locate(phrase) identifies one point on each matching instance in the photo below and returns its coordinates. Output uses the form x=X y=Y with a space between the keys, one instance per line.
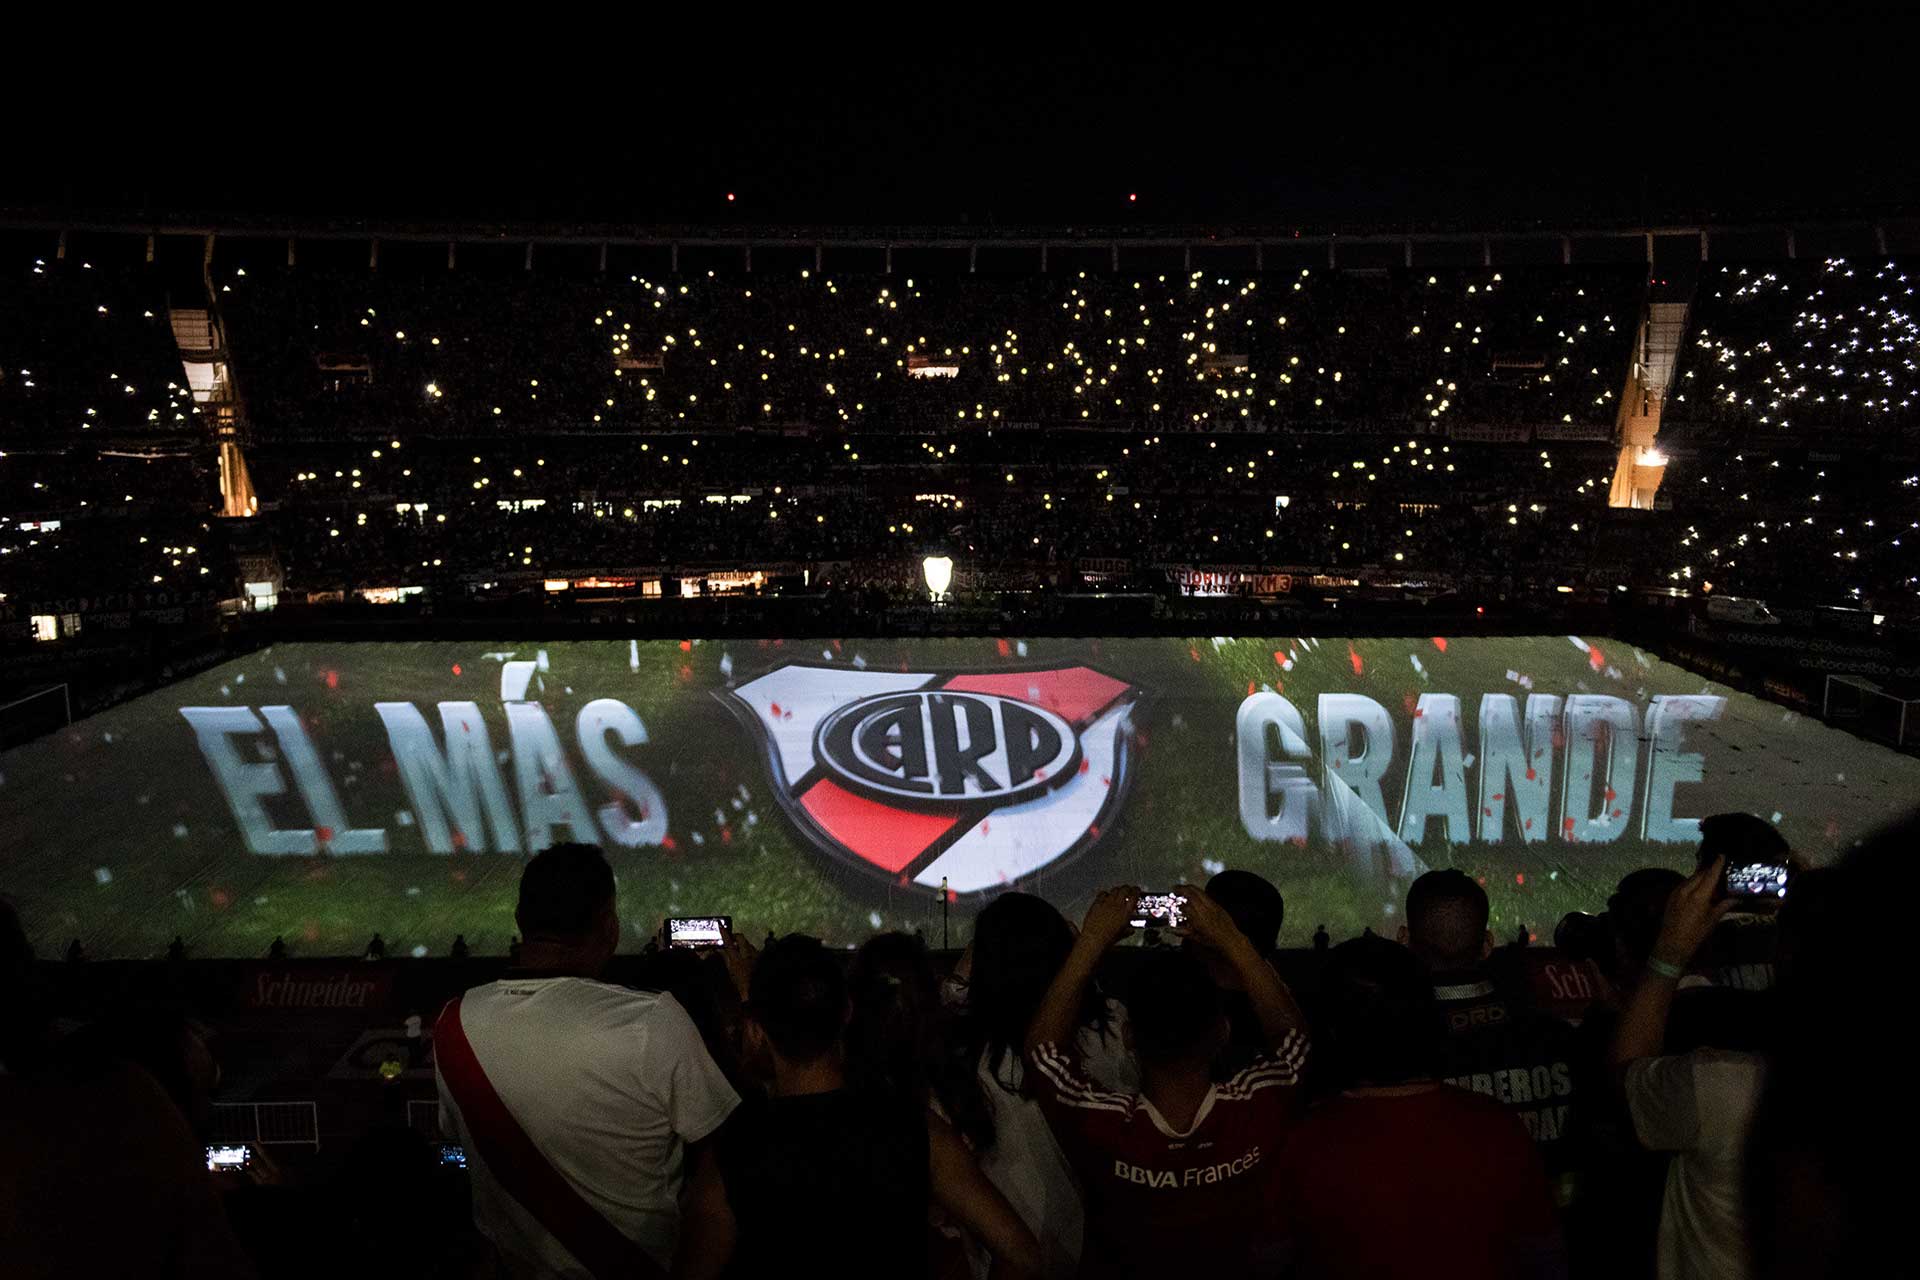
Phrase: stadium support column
x=1641 y=466
x=200 y=336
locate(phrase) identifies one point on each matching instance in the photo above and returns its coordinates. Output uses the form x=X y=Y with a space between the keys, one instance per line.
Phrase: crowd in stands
x=460 y=430
x=1058 y=1104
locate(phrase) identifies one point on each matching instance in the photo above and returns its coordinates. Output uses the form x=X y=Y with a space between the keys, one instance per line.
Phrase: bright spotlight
x=939 y=573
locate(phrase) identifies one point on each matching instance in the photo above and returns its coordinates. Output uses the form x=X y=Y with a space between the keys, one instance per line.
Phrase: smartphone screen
x=227 y=1158
x=1168 y=910
x=453 y=1156
x=698 y=931
x=1757 y=880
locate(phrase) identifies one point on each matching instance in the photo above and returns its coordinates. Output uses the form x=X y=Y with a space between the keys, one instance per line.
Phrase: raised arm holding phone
x=1179 y=1174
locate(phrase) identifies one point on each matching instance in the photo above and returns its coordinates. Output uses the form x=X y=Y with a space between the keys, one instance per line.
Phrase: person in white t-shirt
x=1698 y=1105
x=577 y=1101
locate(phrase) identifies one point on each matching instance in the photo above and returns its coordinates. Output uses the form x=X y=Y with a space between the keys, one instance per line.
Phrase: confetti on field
x=101 y=875
x=873 y=918
x=1212 y=866
x=1020 y=648
x=419 y=952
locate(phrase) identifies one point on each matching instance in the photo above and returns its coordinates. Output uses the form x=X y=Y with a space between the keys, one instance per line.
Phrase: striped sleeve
x=1060 y=1081
x=1283 y=1069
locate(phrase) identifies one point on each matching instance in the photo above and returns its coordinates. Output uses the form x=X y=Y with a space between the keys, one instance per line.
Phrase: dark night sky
x=1462 y=117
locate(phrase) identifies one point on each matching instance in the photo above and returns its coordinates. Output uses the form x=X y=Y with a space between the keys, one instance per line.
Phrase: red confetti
x=1193 y=653
x=459 y=839
x=952 y=896
x=668 y=842
x=1566 y=825
x=456 y=668
x=1594 y=657
x=1085 y=764
x=1353 y=656
x=323 y=834
x=1610 y=795
x=1519 y=877
x=1499 y=795
x=221 y=898
x=1531 y=775
x=686 y=646
x=776 y=711
x=1529 y=824
x=1003 y=647
x=1279 y=658
x=1249 y=688
x=333 y=679
x=1486 y=811
x=726 y=835
x=1440 y=643
x=1093 y=830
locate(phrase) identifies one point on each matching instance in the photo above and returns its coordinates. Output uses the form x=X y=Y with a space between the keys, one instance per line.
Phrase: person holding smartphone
x=1698 y=1105
x=1178 y=1176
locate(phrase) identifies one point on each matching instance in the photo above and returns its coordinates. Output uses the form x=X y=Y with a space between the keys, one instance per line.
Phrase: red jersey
x=1161 y=1200
x=1438 y=1184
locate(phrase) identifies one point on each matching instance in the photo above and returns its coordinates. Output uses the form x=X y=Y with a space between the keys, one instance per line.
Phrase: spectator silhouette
x=1178 y=1175
x=576 y=1157
x=1495 y=1043
x=101 y=1174
x=817 y=1154
x=1257 y=911
x=1019 y=943
x=1397 y=1174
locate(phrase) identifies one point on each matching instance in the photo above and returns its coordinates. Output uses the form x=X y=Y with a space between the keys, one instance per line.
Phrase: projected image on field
x=321 y=792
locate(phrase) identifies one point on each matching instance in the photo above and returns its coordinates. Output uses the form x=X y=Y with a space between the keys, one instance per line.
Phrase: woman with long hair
x=1019 y=944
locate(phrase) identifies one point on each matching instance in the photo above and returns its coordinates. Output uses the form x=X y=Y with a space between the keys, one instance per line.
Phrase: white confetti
x=1580 y=644
x=102 y=875
x=1020 y=647
x=541 y=660
x=419 y=952
x=1212 y=866
x=753 y=819
x=633 y=655
x=873 y=918
x=1777 y=815
x=260 y=901
x=225 y=691
x=413 y=891
x=241 y=678
x=403 y=817
x=1468 y=762
x=698 y=838
x=737 y=803
x=179 y=831
x=859 y=663
x=826 y=655
x=726 y=665
x=279 y=675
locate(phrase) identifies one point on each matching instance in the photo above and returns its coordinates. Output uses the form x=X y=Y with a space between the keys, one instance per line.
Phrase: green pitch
x=116 y=831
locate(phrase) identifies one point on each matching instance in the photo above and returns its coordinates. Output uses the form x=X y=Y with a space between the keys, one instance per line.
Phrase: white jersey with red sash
x=575 y=1101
